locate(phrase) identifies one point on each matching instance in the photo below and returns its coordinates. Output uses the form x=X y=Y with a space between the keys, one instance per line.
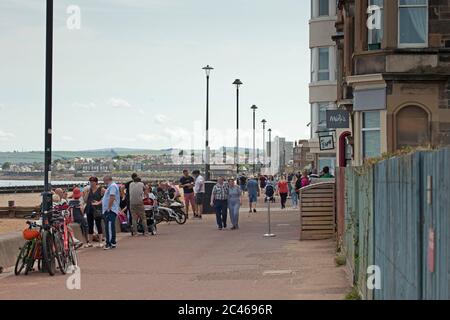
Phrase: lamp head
x=208 y=69
x=237 y=83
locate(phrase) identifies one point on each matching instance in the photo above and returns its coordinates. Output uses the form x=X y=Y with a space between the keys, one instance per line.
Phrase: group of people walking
x=97 y=207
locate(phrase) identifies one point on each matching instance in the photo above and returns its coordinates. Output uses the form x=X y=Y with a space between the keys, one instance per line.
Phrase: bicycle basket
x=30 y=234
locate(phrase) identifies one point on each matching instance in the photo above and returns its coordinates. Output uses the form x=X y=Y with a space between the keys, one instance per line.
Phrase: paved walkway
x=196 y=261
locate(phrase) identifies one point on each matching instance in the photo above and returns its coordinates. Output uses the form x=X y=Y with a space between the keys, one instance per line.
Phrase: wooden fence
x=317 y=211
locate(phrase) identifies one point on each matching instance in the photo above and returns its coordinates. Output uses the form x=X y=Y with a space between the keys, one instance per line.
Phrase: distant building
x=281 y=154
x=302 y=156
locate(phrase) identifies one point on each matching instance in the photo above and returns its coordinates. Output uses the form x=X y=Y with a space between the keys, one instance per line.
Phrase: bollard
x=269 y=234
x=12 y=208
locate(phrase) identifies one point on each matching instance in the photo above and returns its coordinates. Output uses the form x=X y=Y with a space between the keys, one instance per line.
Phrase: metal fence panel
x=436 y=221
x=397 y=227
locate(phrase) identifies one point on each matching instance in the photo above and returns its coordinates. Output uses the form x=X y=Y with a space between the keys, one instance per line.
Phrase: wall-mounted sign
x=326 y=143
x=310 y=157
x=338 y=119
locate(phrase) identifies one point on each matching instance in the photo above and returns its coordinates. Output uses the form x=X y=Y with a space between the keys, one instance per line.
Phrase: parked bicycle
x=32 y=249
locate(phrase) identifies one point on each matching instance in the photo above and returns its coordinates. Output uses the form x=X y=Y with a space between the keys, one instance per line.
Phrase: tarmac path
x=196 y=261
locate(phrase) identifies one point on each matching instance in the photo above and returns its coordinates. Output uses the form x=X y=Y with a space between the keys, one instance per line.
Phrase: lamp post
x=264 y=121
x=270 y=148
x=208 y=70
x=254 y=141
x=46 y=195
x=237 y=83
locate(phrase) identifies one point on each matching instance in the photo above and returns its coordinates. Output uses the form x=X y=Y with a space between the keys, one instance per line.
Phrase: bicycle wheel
x=22 y=258
x=31 y=257
x=62 y=257
x=49 y=253
x=73 y=257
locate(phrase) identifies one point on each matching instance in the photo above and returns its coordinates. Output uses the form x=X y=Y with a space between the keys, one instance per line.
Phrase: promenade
x=196 y=261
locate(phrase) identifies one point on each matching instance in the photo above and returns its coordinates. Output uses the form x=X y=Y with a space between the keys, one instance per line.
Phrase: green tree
x=6 y=166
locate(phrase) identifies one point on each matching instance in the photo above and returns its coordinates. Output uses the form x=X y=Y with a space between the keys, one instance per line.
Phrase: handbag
x=98 y=213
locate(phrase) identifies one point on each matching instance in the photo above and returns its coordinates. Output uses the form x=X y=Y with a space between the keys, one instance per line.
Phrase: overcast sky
x=132 y=77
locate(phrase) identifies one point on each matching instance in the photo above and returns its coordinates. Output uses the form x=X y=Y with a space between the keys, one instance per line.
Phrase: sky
x=132 y=76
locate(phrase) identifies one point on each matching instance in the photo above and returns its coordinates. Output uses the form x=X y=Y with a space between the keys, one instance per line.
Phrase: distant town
x=279 y=156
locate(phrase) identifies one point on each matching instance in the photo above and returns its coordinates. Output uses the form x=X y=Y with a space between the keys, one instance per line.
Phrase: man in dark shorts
x=199 y=190
x=187 y=182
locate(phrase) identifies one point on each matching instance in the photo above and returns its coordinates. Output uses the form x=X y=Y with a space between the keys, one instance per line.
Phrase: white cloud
x=149 y=137
x=119 y=103
x=86 y=106
x=160 y=118
x=141 y=111
x=67 y=138
x=6 y=136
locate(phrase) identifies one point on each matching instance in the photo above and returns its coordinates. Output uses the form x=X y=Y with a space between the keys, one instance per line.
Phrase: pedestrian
x=234 y=202
x=326 y=173
x=93 y=198
x=294 y=194
x=272 y=187
x=253 y=193
x=137 y=208
x=111 y=208
x=262 y=181
x=305 y=180
x=283 y=191
x=219 y=201
x=199 y=190
x=62 y=196
x=76 y=208
x=123 y=214
x=243 y=182
x=187 y=182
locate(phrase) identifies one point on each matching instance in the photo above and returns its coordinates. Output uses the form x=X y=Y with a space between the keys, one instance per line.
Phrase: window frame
x=414 y=45
x=364 y=130
x=371 y=32
x=322 y=71
x=319 y=7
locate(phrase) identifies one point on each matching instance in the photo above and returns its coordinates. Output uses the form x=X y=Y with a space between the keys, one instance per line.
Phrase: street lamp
x=47 y=195
x=208 y=70
x=237 y=83
x=254 y=141
x=264 y=121
x=270 y=148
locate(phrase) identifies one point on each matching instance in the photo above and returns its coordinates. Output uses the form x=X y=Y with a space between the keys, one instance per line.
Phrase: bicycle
x=64 y=239
x=31 y=251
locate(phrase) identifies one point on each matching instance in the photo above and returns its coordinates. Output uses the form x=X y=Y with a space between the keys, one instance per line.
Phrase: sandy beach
x=21 y=199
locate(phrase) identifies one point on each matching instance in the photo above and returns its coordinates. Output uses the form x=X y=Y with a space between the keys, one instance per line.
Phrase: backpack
x=270 y=191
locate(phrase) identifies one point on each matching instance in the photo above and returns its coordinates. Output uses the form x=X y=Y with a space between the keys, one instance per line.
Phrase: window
x=322 y=125
x=412 y=127
x=324 y=8
x=375 y=34
x=371 y=147
x=324 y=64
x=413 y=23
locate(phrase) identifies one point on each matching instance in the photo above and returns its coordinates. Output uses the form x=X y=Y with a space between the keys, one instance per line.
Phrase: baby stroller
x=150 y=205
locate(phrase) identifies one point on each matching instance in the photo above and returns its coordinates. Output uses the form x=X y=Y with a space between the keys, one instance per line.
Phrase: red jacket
x=283 y=187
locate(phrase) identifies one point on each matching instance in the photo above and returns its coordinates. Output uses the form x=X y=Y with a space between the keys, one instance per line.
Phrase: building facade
x=323 y=84
x=302 y=159
x=281 y=155
x=393 y=74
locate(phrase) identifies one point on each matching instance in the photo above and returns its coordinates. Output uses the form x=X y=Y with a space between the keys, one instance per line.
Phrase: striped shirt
x=220 y=192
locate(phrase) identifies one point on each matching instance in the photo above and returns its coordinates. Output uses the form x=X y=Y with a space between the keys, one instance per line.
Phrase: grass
x=340 y=260
x=353 y=295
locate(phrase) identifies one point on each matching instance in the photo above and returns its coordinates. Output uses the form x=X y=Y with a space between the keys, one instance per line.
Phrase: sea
x=33 y=183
